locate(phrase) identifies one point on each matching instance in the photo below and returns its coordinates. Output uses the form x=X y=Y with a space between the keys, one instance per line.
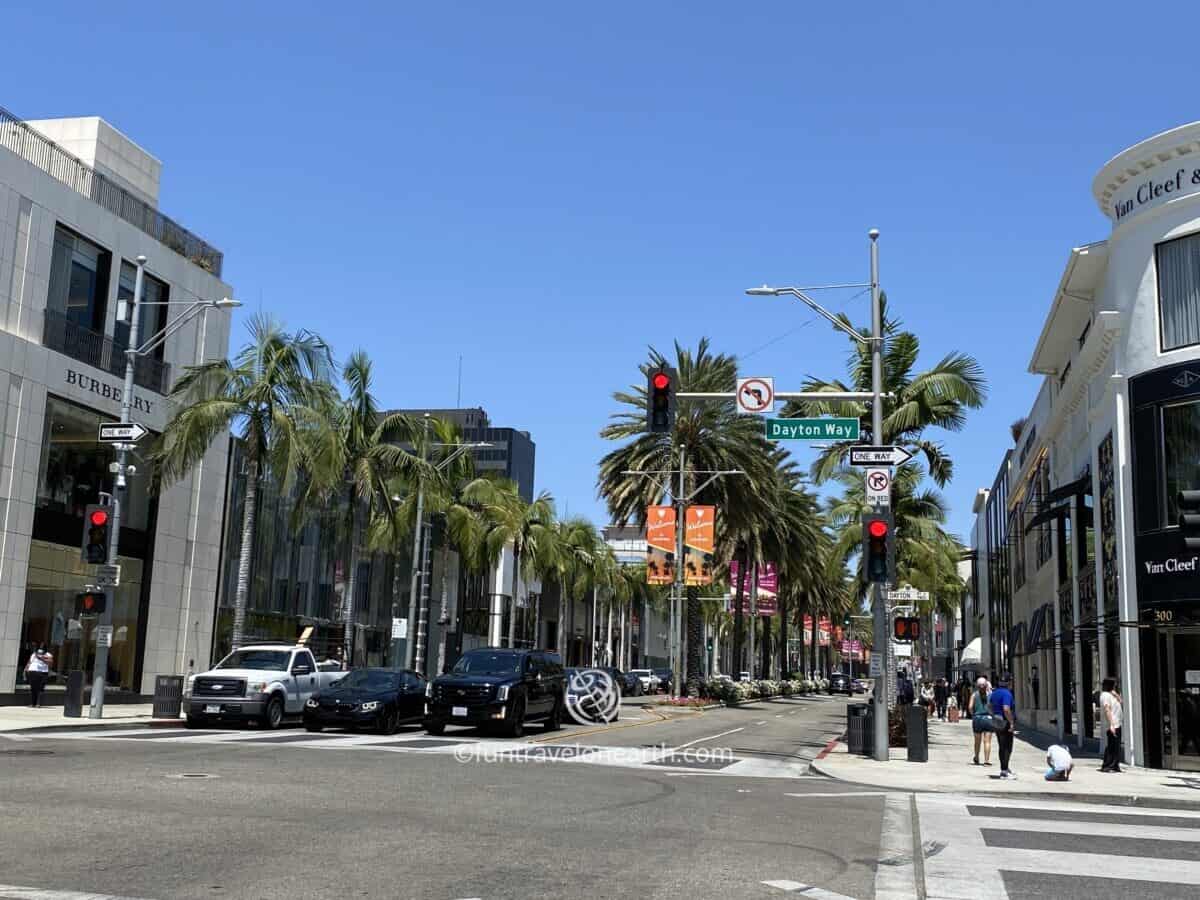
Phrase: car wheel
x=312 y=726
x=554 y=723
x=195 y=722
x=435 y=728
x=516 y=726
x=273 y=714
x=389 y=722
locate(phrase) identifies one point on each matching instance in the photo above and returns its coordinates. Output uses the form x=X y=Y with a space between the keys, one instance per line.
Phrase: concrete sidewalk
x=950 y=770
x=24 y=718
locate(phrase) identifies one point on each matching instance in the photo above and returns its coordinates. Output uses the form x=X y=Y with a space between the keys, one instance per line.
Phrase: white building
x=1088 y=574
x=71 y=225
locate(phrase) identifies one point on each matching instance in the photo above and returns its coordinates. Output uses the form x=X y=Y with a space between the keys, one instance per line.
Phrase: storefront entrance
x=1179 y=667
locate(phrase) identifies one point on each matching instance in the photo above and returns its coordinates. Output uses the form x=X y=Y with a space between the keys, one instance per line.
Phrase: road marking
x=15 y=737
x=14 y=892
x=807 y=890
x=895 y=874
x=779 y=715
x=760 y=723
x=844 y=794
x=711 y=737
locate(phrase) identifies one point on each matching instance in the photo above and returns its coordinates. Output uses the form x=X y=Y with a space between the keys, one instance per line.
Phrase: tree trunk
x=512 y=613
x=738 y=625
x=397 y=584
x=562 y=623
x=766 y=646
x=608 y=650
x=816 y=647
x=621 y=664
x=695 y=641
x=351 y=581
x=249 y=517
x=592 y=631
x=444 y=614
x=783 y=637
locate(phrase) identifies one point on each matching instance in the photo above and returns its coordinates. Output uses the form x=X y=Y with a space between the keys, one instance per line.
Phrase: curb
x=107 y=726
x=1132 y=800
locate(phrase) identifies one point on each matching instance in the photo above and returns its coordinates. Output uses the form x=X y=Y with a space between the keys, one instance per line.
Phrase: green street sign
x=818 y=429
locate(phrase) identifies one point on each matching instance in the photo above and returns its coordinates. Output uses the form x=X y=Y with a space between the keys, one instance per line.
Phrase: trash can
x=168 y=696
x=73 y=704
x=917 y=726
x=858 y=733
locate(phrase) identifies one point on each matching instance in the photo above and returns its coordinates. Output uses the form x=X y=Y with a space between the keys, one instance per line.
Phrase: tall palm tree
x=708 y=435
x=576 y=542
x=277 y=397
x=370 y=452
x=527 y=527
x=937 y=397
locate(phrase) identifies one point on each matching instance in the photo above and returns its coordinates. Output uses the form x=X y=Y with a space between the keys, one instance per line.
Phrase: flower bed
x=741 y=691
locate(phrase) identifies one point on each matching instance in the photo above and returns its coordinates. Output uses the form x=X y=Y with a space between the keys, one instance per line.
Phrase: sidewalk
x=949 y=770
x=21 y=718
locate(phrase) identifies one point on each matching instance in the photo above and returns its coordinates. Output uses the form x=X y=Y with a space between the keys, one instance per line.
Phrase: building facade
x=1099 y=583
x=72 y=222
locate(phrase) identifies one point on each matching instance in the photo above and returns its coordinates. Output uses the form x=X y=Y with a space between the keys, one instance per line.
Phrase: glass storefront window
x=150 y=318
x=56 y=576
x=1178 y=265
x=74 y=470
x=1181 y=453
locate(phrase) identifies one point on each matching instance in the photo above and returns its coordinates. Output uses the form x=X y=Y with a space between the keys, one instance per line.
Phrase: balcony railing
x=103 y=352
x=56 y=162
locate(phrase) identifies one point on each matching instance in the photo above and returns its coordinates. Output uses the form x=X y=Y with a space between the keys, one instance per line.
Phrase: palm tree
x=576 y=541
x=276 y=396
x=938 y=397
x=370 y=453
x=527 y=527
x=708 y=435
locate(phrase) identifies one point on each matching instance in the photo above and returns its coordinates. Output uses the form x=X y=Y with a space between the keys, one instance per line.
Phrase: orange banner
x=698 y=537
x=660 y=544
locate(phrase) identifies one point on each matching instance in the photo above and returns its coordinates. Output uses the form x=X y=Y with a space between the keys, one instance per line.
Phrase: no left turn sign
x=756 y=395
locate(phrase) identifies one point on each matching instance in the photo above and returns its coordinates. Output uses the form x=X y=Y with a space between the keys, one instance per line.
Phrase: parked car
x=743 y=676
x=586 y=704
x=497 y=688
x=840 y=683
x=630 y=684
x=263 y=683
x=379 y=699
x=861 y=686
x=650 y=681
x=666 y=680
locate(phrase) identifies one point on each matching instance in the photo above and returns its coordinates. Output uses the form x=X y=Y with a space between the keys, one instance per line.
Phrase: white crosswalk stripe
x=970 y=842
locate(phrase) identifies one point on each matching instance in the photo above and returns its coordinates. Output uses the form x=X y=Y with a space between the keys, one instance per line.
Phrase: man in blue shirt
x=1004 y=706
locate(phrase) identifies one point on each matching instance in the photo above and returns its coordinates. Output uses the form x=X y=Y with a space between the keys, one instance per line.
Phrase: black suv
x=497 y=688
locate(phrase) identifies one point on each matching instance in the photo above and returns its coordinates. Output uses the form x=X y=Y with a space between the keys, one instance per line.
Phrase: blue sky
x=546 y=189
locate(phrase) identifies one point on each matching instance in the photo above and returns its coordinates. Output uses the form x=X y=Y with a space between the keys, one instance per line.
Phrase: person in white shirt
x=37 y=673
x=1058 y=758
x=1113 y=712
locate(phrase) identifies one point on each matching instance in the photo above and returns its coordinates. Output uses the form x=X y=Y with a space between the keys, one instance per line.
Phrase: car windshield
x=267 y=660
x=488 y=663
x=371 y=680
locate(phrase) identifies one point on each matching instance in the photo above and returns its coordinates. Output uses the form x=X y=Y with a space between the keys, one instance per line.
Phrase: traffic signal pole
x=120 y=491
x=881 y=638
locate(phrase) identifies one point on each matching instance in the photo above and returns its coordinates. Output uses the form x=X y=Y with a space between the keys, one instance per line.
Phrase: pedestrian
x=1004 y=707
x=904 y=691
x=941 y=694
x=927 y=698
x=1059 y=763
x=1113 y=712
x=979 y=722
x=37 y=672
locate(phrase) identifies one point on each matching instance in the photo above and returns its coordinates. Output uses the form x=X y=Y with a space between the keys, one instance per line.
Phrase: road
x=633 y=810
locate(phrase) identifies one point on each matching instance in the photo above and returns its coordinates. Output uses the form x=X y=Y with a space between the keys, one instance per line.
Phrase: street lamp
x=122 y=468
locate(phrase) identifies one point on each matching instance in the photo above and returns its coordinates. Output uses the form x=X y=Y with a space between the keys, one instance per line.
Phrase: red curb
x=828 y=748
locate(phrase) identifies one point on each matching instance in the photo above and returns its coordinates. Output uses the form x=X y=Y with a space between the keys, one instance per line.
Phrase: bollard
x=917 y=726
x=73 y=704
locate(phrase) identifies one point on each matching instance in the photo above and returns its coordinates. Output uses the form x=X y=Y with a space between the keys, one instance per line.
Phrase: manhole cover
x=26 y=752
x=190 y=775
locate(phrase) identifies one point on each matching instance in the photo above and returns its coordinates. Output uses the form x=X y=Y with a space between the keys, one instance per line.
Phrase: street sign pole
x=120 y=491
x=677 y=599
x=882 y=687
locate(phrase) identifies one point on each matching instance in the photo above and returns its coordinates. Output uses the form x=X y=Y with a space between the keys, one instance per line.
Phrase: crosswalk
x=464 y=747
x=978 y=848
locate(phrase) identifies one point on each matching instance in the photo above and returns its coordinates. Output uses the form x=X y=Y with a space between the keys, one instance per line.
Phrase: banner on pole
x=768 y=589
x=699 y=534
x=660 y=545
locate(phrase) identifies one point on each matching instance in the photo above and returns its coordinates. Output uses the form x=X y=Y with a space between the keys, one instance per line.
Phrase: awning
x=1047 y=514
x=972 y=653
x=1014 y=639
x=1037 y=624
x=1081 y=485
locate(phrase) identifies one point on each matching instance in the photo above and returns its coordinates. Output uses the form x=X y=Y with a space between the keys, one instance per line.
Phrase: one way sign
x=122 y=432
x=878 y=456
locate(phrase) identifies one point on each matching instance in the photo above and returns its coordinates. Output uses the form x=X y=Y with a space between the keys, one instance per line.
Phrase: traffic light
x=1189 y=518
x=906 y=628
x=710 y=645
x=846 y=620
x=878 y=562
x=90 y=603
x=661 y=384
x=95 y=535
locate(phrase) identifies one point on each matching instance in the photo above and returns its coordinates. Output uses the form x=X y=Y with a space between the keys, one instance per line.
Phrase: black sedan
x=630 y=684
x=840 y=683
x=379 y=699
x=665 y=680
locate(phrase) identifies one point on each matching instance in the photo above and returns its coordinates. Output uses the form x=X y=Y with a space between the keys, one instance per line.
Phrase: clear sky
x=548 y=188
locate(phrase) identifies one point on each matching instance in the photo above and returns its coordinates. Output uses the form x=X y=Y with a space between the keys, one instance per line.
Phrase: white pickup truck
x=262 y=682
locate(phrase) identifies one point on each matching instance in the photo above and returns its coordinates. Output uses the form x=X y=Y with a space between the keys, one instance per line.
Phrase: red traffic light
x=877 y=528
x=99 y=517
x=89 y=602
x=662 y=381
